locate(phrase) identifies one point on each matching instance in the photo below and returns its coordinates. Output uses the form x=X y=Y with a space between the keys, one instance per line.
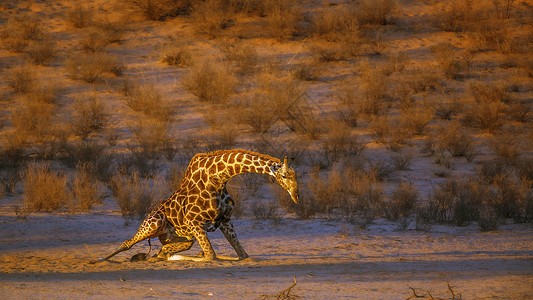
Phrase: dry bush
x=486 y=115
x=457 y=17
x=402 y=201
x=136 y=195
x=21 y=79
x=381 y=170
x=175 y=55
x=244 y=56
x=34 y=120
x=211 y=81
x=19 y=31
x=505 y=144
x=348 y=95
x=380 y=129
x=416 y=119
x=44 y=188
x=457 y=202
x=93 y=67
x=89 y=115
x=265 y=211
x=455 y=139
x=305 y=72
x=525 y=169
x=489 y=171
x=158 y=10
x=451 y=66
x=378 y=12
x=87 y=151
x=212 y=16
x=339 y=143
x=258 y=113
x=337 y=34
x=374 y=86
x=282 y=18
x=146 y=99
x=448 y=109
x=40 y=52
x=94 y=39
x=491 y=92
x=79 y=16
x=509 y=198
x=151 y=136
x=402 y=160
x=85 y=190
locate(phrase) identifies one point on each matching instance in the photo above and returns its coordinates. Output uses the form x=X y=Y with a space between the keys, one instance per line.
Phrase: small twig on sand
x=284 y=295
x=429 y=296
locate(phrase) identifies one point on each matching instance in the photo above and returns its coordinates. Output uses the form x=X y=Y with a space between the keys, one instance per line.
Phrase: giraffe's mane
x=221 y=152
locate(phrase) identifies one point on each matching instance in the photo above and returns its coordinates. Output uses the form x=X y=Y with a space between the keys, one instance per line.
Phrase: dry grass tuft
x=211 y=81
x=44 y=188
x=94 y=67
x=84 y=188
x=89 y=115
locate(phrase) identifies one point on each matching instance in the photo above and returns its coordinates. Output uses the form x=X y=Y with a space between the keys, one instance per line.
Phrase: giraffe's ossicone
x=202 y=203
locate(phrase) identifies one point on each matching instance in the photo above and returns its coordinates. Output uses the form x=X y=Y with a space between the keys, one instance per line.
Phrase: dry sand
x=47 y=255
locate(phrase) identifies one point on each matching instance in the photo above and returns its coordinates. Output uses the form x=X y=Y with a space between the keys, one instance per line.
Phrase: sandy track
x=47 y=257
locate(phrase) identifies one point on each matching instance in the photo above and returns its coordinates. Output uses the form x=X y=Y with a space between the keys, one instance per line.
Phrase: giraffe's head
x=286 y=177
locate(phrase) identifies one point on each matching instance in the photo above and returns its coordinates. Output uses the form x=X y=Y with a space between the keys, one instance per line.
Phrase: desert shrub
x=40 y=52
x=84 y=188
x=402 y=201
x=44 y=188
x=265 y=211
x=89 y=115
x=486 y=115
x=379 y=12
x=455 y=139
x=158 y=10
x=85 y=151
x=282 y=18
x=490 y=170
x=451 y=66
x=339 y=142
x=525 y=169
x=258 y=113
x=374 y=85
x=151 y=136
x=402 y=160
x=244 y=56
x=331 y=24
x=175 y=55
x=506 y=146
x=415 y=120
x=212 y=16
x=458 y=202
x=348 y=96
x=211 y=81
x=146 y=99
x=491 y=92
x=381 y=170
x=93 y=67
x=79 y=16
x=34 y=120
x=19 y=31
x=508 y=198
x=135 y=194
x=380 y=129
x=305 y=72
x=448 y=109
x=457 y=17
x=423 y=79
x=94 y=39
x=21 y=79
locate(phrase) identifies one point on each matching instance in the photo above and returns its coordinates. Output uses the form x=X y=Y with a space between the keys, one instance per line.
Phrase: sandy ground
x=46 y=256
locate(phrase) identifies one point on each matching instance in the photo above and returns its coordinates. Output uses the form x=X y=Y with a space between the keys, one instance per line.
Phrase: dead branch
x=284 y=295
x=427 y=294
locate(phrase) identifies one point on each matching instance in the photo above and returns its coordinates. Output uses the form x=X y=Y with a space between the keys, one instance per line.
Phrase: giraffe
x=202 y=203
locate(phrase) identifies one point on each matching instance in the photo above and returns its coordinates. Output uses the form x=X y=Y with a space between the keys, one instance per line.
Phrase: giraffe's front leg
x=201 y=236
x=229 y=232
x=169 y=250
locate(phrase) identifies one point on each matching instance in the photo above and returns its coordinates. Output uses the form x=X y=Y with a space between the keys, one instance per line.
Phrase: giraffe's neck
x=231 y=163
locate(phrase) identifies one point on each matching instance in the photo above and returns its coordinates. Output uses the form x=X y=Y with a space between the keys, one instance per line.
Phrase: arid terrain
x=409 y=124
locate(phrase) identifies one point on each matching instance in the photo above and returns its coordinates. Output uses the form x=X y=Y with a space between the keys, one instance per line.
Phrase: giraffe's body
x=202 y=203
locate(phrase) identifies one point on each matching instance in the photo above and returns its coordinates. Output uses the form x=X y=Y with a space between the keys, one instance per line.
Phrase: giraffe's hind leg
x=150 y=228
